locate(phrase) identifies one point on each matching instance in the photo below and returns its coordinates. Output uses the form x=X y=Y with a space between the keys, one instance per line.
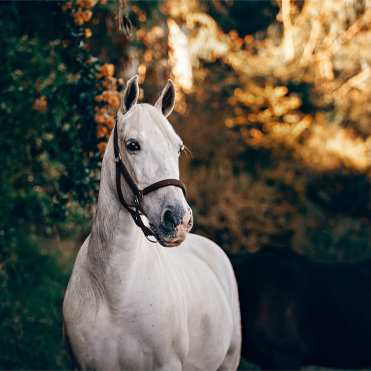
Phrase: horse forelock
x=143 y=119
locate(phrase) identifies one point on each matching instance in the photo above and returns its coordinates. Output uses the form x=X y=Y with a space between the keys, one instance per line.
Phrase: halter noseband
x=138 y=193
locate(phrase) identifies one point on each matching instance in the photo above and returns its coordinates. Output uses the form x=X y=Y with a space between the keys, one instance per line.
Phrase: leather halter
x=138 y=193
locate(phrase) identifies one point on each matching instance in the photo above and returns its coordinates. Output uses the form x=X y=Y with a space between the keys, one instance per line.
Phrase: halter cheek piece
x=138 y=193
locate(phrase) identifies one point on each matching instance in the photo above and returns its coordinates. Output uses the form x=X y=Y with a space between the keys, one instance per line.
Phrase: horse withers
x=134 y=304
x=297 y=312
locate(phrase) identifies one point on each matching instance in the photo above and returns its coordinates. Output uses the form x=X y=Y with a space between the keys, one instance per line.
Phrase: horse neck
x=114 y=236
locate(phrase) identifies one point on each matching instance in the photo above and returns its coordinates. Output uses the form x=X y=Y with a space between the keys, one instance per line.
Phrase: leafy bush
x=33 y=280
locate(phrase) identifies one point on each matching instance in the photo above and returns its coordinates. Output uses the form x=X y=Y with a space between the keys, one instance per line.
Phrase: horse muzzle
x=174 y=225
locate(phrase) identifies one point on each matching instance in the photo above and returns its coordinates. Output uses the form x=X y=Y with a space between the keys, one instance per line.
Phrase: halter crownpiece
x=138 y=193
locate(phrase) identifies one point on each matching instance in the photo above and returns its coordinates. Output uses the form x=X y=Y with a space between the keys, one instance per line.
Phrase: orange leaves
x=233 y=34
x=102 y=147
x=88 y=33
x=67 y=5
x=114 y=100
x=107 y=70
x=142 y=69
x=298 y=86
x=102 y=131
x=105 y=124
x=86 y=15
x=80 y=15
x=110 y=99
x=234 y=38
x=102 y=117
x=80 y=4
x=86 y=3
x=267 y=114
x=41 y=104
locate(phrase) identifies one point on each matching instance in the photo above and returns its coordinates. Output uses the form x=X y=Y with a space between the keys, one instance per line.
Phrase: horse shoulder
x=214 y=301
x=72 y=361
x=211 y=255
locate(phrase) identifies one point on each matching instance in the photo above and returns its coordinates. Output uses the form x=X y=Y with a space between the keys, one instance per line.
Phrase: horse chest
x=138 y=328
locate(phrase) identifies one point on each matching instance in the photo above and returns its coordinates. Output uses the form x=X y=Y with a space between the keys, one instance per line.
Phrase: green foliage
x=33 y=280
x=47 y=124
x=23 y=131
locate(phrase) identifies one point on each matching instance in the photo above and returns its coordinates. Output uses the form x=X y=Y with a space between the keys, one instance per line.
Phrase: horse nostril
x=172 y=217
x=168 y=220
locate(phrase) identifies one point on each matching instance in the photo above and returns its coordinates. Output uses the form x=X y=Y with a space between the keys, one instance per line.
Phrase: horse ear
x=167 y=99
x=130 y=95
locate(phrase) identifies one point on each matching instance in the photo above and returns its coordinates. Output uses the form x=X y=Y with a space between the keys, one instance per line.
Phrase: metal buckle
x=118 y=158
x=138 y=198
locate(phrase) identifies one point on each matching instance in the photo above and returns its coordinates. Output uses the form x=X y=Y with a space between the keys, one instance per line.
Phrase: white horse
x=132 y=304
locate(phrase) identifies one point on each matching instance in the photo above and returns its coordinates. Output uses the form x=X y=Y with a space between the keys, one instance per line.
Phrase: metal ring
x=155 y=241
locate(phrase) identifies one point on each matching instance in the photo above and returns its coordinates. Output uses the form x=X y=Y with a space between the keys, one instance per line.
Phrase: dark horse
x=297 y=312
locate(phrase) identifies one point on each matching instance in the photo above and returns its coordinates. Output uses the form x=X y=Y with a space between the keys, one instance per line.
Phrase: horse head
x=150 y=149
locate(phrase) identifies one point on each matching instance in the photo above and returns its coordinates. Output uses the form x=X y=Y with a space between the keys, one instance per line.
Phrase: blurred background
x=273 y=103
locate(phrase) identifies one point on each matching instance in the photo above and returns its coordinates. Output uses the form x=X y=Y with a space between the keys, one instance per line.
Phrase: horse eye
x=132 y=145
